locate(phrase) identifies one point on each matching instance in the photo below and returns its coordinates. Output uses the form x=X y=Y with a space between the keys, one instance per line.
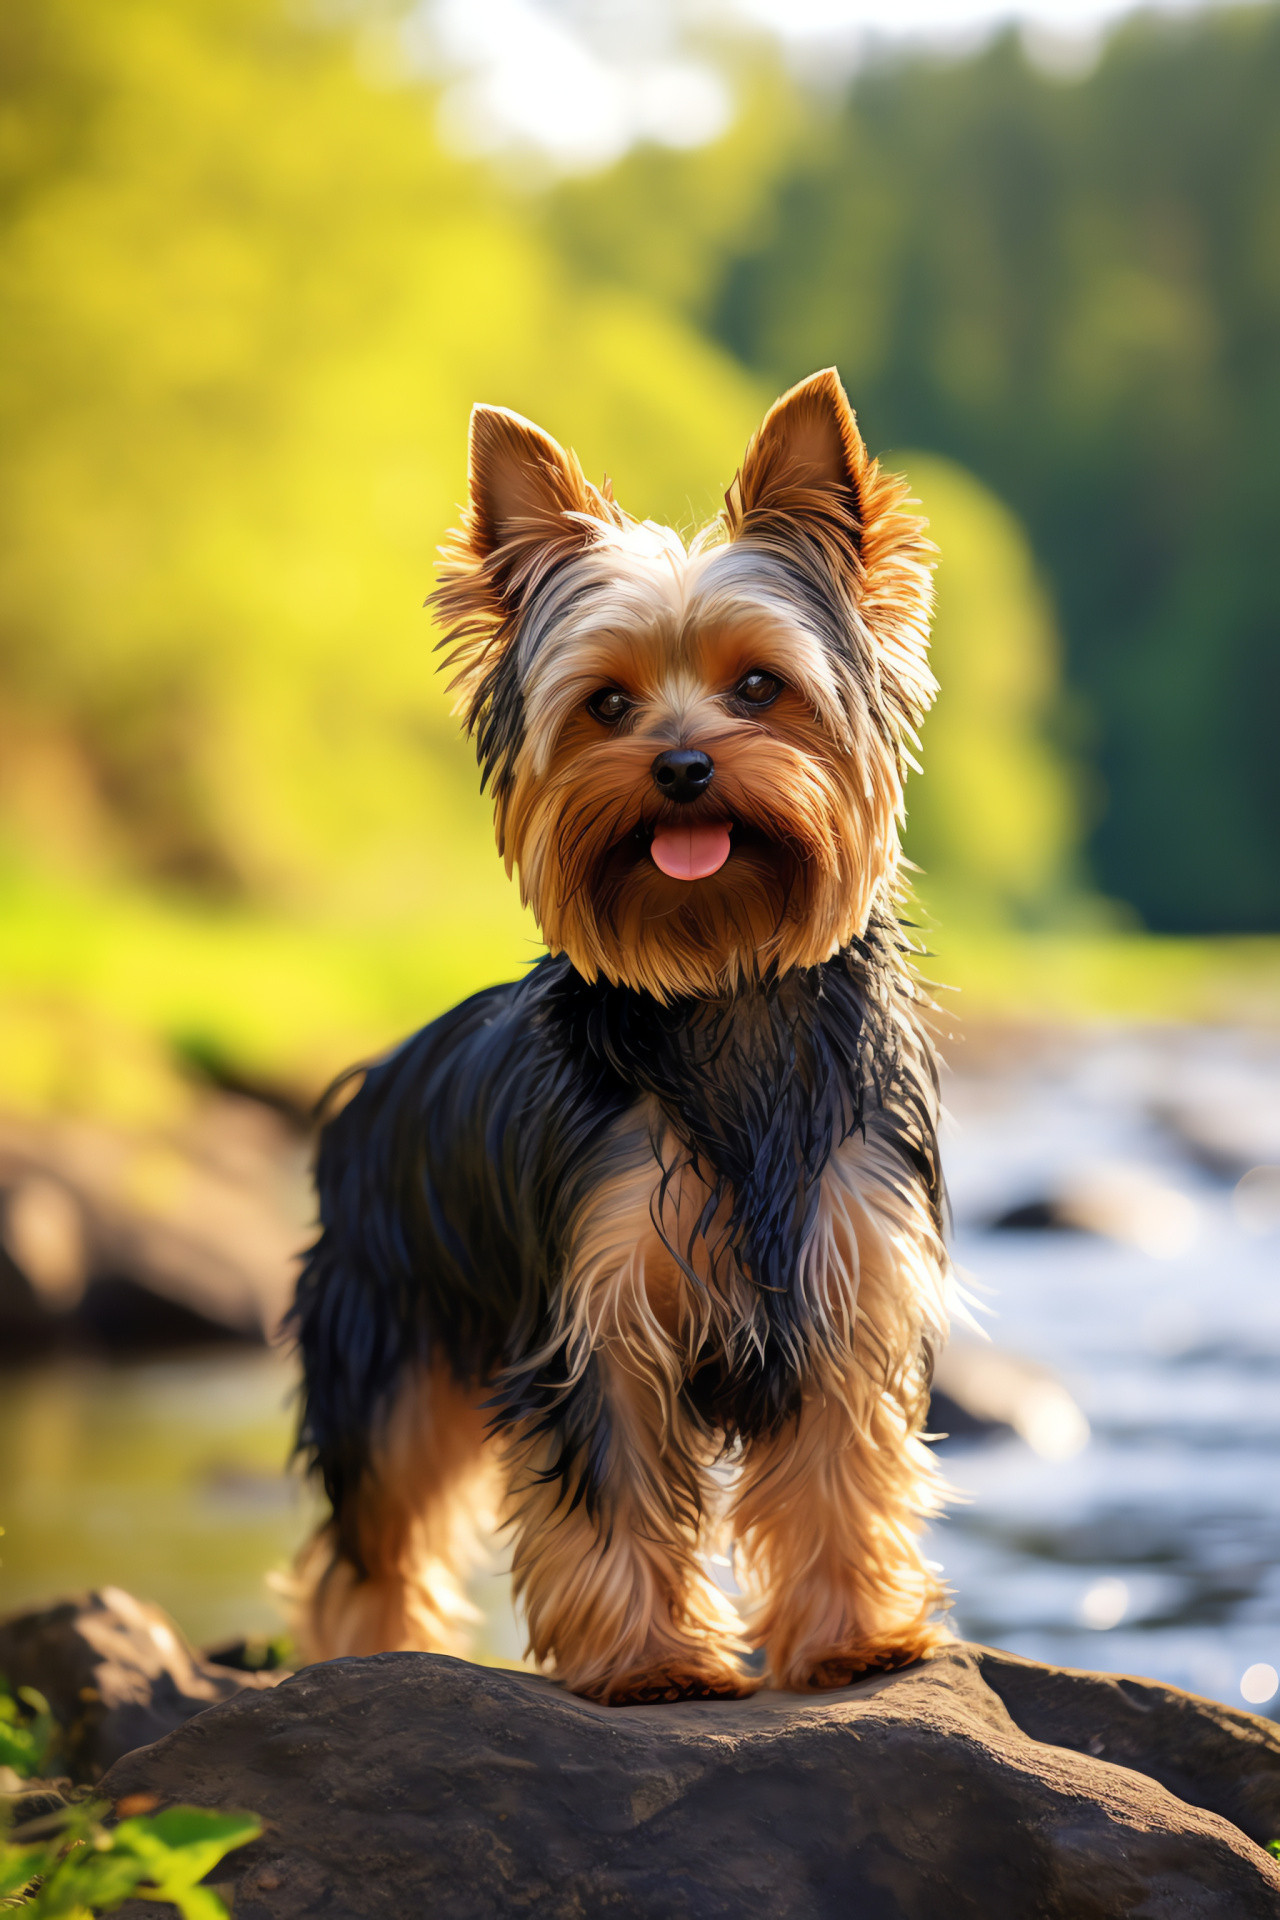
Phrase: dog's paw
x=841 y=1666
x=842 y=1669
x=678 y=1680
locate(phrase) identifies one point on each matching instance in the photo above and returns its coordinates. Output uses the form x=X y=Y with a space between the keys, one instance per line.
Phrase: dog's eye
x=758 y=688
x=609 y=705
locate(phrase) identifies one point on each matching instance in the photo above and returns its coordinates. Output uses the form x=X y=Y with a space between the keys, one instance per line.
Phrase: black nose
x=683 y=773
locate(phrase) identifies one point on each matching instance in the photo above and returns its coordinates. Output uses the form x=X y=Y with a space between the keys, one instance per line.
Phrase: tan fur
x=824 y=821
x=425 y=1513
x=617 y=1600
x=618 y=1603
x=528 y=505
x=827 y=1512
x=550 y=593
x=792 y=485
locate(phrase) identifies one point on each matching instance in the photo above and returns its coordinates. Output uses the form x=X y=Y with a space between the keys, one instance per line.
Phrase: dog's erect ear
x=522 y=483
x=528 y=509
x=807 y=460
x=807 y=486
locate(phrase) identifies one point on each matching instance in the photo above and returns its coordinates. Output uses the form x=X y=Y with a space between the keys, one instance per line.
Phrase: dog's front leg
x=829 y=1509
x=607 y=1551
x=827 y=1514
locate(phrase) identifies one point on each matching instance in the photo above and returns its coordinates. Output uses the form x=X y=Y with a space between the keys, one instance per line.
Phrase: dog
x=644 y=1254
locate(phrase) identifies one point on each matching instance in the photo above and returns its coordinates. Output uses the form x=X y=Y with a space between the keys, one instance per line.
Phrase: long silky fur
x=453 y=1182
x=450 y=1183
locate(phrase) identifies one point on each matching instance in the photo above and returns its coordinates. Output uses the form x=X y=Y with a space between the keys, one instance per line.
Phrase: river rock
x=978 y=1784
x=117 y=1674
x=125 y=1239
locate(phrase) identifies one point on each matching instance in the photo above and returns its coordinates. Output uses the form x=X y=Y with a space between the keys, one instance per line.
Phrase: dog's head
x=696 y=752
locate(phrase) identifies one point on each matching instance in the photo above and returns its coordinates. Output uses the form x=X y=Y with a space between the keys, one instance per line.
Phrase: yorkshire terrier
x=643 y=1254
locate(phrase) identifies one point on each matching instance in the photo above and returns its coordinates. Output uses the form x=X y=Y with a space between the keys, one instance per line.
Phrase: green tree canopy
x=247 y=304
x=993 y=817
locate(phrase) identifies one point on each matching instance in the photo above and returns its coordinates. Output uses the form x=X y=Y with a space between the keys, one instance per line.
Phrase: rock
x=117 y=1673
x=980 y=1389
x=976 y=1785
x=125 y=1238
x=1126 y=1203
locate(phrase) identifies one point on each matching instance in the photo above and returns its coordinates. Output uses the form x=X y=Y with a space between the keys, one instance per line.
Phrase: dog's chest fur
x=658 y=1281
x=767 y=1146
x=557 y=1166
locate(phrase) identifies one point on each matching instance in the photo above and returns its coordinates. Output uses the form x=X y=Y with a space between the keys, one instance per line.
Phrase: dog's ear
x=529 y=507
x=808 y=487
x=807 y=464
x=522 y=485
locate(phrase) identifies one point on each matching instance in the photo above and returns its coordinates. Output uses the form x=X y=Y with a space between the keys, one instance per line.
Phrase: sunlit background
x=257 y=260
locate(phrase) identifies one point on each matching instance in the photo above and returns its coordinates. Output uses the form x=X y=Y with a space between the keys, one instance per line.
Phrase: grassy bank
x=1107 y=976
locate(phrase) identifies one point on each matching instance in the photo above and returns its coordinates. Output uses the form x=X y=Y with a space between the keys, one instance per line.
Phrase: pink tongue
x=691 y=853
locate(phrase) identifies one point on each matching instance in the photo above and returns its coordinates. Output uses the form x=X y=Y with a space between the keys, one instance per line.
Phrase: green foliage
x=248 y=303
x=1073 y=290
x=101 y=986
x=993 y=818
x=28 y=1732
x=70 y=1867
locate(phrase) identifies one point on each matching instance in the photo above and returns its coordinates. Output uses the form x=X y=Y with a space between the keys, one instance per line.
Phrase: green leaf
x=84 y=1869
x=181 y=1826
x=25 y=1743
x=201 y=1903
x=88 y=1877
x=19 y=1865
x=178 y=1847
x=19 y=1749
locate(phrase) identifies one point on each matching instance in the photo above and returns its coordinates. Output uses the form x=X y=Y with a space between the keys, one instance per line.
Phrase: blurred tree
x=245 y=305
x=1074 y=289
x=246 y=301
x=993 y=820
x=670 y=221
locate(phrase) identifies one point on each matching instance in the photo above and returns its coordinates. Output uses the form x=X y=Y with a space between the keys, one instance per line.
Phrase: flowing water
x=1154 y=1548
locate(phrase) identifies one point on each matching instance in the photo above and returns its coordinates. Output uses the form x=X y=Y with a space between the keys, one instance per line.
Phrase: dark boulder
x=121 y=1239
x=117 y=1674
x=976 y=1785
